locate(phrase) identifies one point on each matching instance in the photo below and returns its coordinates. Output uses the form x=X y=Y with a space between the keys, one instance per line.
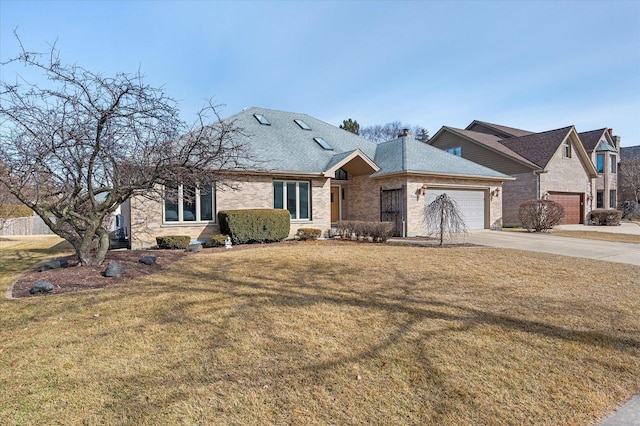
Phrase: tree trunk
x=83 y=247
x=442 y=223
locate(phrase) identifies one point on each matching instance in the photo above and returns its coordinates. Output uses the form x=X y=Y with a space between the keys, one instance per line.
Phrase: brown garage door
x=573 y=206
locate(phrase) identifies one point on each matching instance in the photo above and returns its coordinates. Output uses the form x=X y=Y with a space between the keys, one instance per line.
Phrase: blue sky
x=534 y=65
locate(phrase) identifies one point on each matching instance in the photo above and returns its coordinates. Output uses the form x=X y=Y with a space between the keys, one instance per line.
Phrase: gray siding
x=479 y=154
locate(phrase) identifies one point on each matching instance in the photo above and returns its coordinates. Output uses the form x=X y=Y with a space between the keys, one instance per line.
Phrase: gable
x=578 y=167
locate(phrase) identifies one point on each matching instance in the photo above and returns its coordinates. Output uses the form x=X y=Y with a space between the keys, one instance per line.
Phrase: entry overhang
x=355 y=162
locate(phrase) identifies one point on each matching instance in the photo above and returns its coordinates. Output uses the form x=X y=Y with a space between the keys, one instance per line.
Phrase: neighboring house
x=552 y=164
x=629 y=169
x=323 y=174
x=604 y=149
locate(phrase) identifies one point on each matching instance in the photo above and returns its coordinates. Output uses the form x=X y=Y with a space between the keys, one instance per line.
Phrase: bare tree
x=630 y=178
x=443 y=217
x=382 y=133
x=75 y=147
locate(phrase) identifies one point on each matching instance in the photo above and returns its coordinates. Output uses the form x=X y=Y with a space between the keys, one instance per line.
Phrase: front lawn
x=331 y=333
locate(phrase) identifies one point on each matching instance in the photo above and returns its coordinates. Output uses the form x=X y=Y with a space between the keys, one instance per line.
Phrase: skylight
x=302 y=124
x=323 y=144
x=262 y=119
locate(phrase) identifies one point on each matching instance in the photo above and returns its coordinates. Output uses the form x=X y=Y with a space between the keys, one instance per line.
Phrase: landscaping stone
x=148 y=260
x=114 y=269
x=54 y=264
x=41 y=287
x=195 y=248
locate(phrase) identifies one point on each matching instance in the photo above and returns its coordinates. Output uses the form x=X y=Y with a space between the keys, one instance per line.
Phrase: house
x=553 y=164
x=629 y=171
x=604 y=150
x=323 y=174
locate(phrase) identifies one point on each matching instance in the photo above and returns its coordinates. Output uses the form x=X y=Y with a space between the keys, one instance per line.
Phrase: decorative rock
x=148 y=260
x=195 y=248
x=54 y=264
x=41 y=287
x=114 y=269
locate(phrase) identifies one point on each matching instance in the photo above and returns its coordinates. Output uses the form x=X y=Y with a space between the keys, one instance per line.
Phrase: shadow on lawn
x=317 y=283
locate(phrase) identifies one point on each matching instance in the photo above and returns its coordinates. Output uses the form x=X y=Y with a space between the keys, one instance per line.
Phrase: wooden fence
x=32 y=225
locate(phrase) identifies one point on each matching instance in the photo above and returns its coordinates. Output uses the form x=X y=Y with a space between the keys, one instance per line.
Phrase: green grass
x=322 y=333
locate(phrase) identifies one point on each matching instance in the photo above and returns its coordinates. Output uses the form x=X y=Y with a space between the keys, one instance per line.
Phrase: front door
x=335 y=204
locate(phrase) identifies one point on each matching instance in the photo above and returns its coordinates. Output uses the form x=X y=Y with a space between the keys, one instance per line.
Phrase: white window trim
x=181 y=221
x=284 y=198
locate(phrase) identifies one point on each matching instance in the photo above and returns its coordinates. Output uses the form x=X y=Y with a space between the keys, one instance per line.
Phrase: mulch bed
x=75 y=278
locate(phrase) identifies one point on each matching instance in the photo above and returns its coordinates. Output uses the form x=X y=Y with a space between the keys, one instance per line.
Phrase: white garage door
x=471 y=203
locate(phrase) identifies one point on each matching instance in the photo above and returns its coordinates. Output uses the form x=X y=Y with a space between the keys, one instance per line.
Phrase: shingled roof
x=630 y=152
x=506 y=130
x=538 y=147
x=406 y=154
x=591 y=138
x=283 y=146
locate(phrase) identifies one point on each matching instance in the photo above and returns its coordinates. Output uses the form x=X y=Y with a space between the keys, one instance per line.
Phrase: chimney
x=405 y=132
x=616 y=139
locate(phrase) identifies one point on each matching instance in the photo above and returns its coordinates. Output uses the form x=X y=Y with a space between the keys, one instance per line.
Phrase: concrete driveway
x=575 y=247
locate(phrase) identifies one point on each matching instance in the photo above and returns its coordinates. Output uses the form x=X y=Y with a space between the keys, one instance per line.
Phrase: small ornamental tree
x=444 y=217
x=540 y=215
x=75 y=146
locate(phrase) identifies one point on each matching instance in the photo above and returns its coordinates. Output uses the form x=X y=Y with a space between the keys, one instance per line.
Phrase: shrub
x=255 y=225
x=173 y=242
x=540 y=215
x=377 y=231
x=606 y=217
x=218 y=240
x=308 y=233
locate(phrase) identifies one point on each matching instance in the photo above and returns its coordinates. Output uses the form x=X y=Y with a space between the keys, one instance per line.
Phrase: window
x=600 y=200
x=455 y=151
x=613 y=202
x=566 y=149
x=341 y=174
x=600 y=163
x=612 y=163
x=302 y=124
x=294 y=196
x=262 y=119
x=189 y=204
x=323 y=144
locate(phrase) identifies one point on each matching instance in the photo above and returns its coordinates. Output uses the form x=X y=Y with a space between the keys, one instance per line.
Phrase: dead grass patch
x=599 y=236
x=322 y=333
